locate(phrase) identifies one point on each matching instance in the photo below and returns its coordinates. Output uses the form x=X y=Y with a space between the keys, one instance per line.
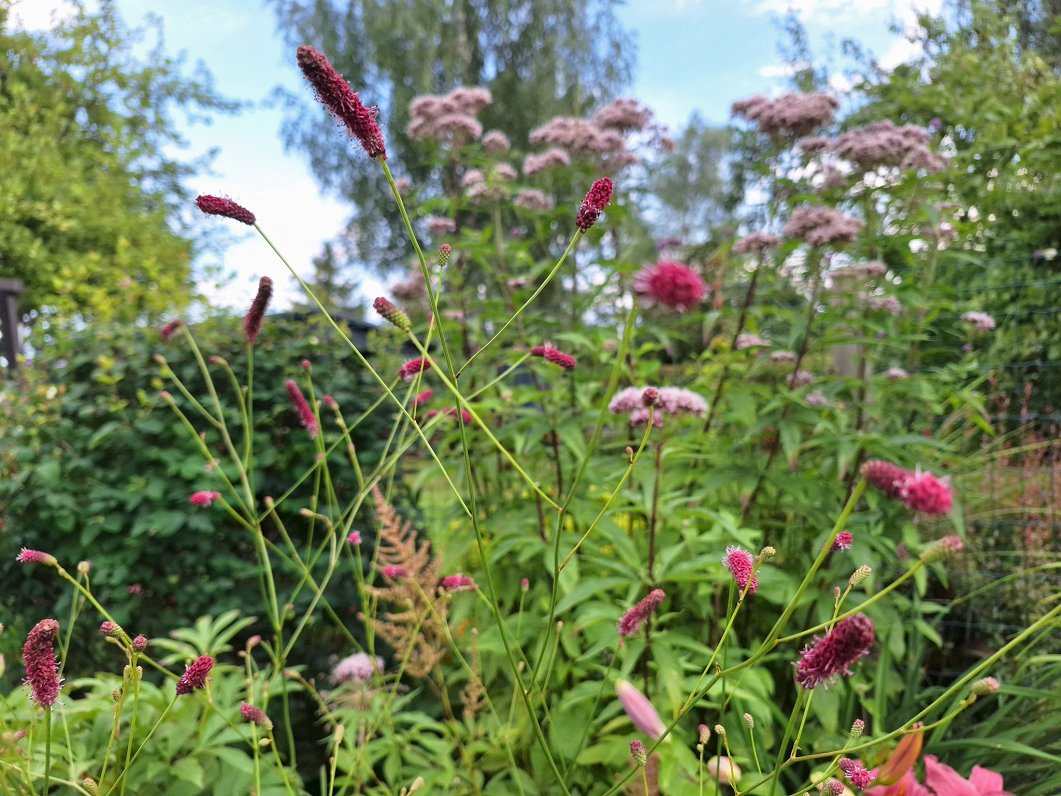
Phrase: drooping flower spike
x=219 y=206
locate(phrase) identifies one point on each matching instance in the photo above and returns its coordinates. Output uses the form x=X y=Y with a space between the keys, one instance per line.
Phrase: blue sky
x=693 y=56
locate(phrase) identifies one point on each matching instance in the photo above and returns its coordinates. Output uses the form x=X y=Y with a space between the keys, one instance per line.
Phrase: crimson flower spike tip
x=252 y=322
x=219 y=206
x=834 y=654
x=598 y=198
x=302 y=407
x=336 y=95
x=195 y=675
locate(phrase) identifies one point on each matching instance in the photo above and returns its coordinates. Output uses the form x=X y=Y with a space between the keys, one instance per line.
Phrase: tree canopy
x=89 y=187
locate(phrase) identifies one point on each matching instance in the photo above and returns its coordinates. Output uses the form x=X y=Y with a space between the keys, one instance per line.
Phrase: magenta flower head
x=140 y=643
x=195 y=675
x=885 y=476
x=219 y=206
x=926 y=493
x=252 y=322
x=844 y=540
x=36 y=557
x=298 y=401
x=110 y=628
x=459 y=582
x=554 y=355
x=410 y=369
x=741 y=563
x=855 y=772
x=639 y=614
x=203 y=499
x=598 y=198
x=640 y=710
x=168 y=330
x=42 y=670
x=394 y=571
x=826 y=658
x=255 y=716
x=354 y=538
x=671 y=284
x=337 y=96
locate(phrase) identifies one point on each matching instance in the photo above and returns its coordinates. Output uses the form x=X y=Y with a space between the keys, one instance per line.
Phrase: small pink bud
x=354 y=538
x=36 y=557
x=140 y=643
x=524 y=584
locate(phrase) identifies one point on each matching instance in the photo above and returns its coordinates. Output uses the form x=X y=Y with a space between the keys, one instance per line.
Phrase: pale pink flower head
x=788 y=116
x=639 y=614
x=203 y=499
x=671 y=284
x=496 y=143
x=834 y=654
x=36 y=557
x=896 y=374
x=534 y=201
x=640 y=711
x=741 y=564
x=981 y=321
x=42 y=670
x=195 y=675
x=820 y=225
x=336 y=95
x=626 y=400
x=358 y=667
x=755 y=242
x=459 y=582
x=926 y=493
x=800 y=378
x=549 y=159
x=438 y=226
x=748 y=340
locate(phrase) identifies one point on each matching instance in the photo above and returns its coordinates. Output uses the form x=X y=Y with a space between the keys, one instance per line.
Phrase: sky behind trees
x=693 y=56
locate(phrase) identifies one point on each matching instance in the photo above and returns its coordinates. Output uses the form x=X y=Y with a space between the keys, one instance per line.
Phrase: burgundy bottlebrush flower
x=36 y=557
x=195 y=675
x=337 y=96
x=140 y=643
x=843 y=541
x=255 y=716
x=203 y=499
x=42 y=670
x=639 y=614
x=554 y=355
x=298 y=401
x=252 y=321
x=741 y=563
x=885 y=476
x=219 y=206
x=459 y=582
x=598 y=198
x=410 y=369
x=640 y=710
x=926 y=493
x=855 y=772
x=169 y=329
x=672 y=284
x=834 y=654
x=392 y=313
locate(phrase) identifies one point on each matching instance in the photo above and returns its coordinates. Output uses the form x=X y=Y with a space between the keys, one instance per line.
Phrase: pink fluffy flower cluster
x=449 y=116
x=623 y=114
x=671 y=284
x=923 y=492
x=981 y=321
x=666 y=400
x=884 y=144
x=579 y=136
x=790 y=115
x=820 y=225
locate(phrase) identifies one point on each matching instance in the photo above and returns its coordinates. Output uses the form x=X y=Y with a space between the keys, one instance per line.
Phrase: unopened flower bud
x=84 y=567
x=638 y=752
x=90 y=785
x=857 y=728
x=705 y=733
x=140 y=643
x=836 y=592
x=444 y=251
x=116 y=695
x=749 y=721
x=650 y=396
x=767 y=553
x=720 y=731
x=942 y=548
x=859 y=575
x=392 y=313
x=985 y=686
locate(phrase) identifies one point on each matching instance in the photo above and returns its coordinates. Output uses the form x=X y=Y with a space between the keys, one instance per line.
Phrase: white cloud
x=40 y=14
x=783 y=70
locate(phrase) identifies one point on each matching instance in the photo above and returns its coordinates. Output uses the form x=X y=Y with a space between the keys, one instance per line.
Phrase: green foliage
x=89 y=185
x=97 y=467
